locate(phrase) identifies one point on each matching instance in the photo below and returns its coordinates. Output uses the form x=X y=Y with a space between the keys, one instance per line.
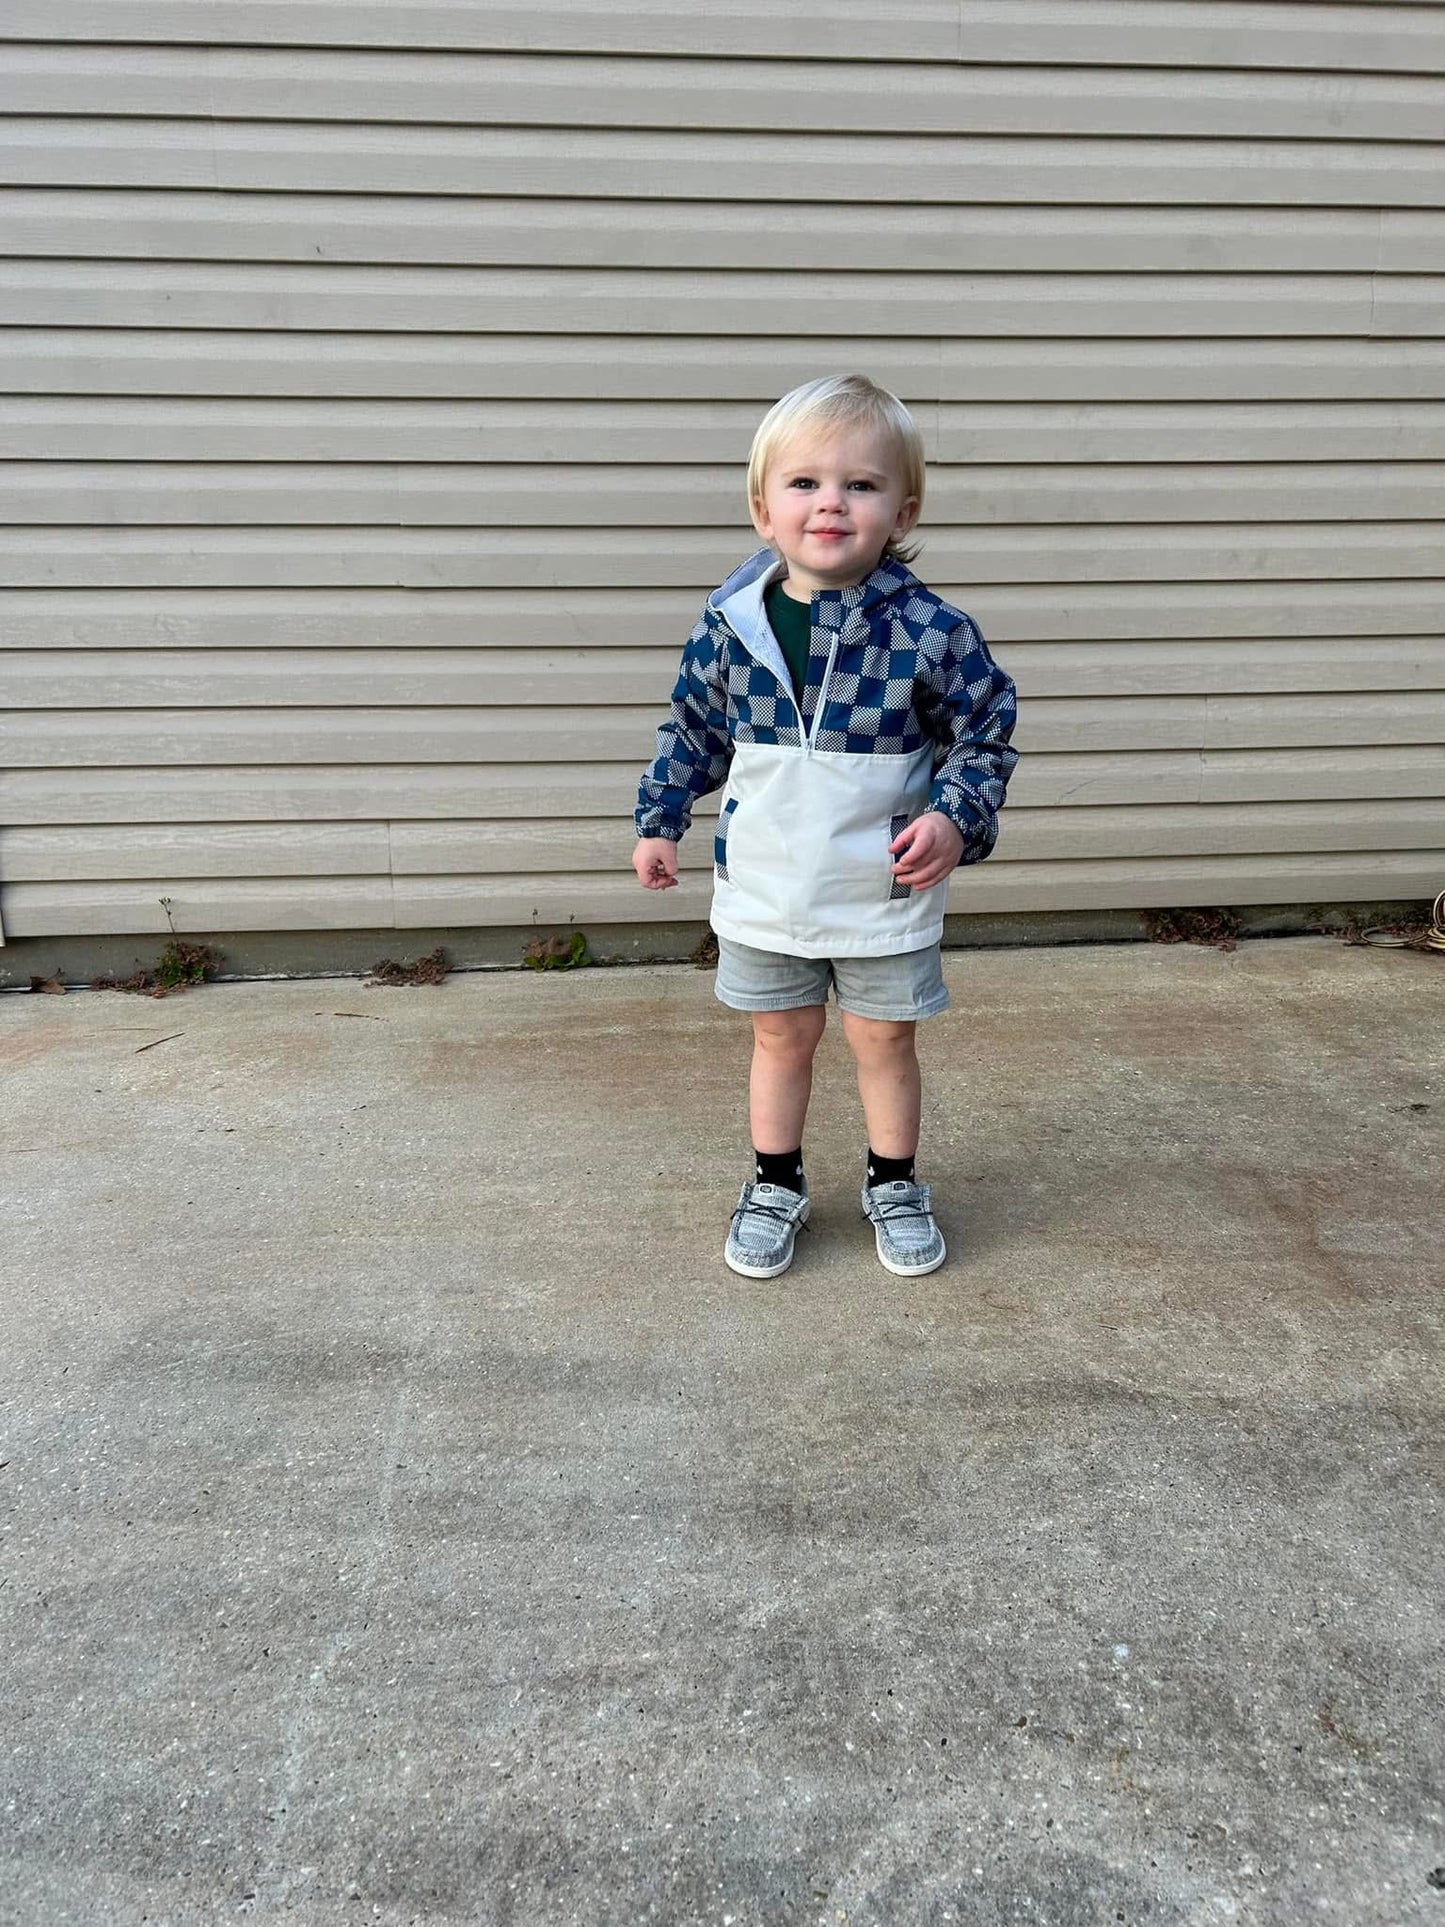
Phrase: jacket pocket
x=896 y=826
x=720 y=840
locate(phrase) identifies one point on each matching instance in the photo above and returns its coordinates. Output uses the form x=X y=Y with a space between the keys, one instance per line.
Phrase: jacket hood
x=739 y=601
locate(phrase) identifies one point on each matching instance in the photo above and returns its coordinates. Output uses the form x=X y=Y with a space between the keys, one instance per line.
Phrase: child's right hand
x=655 y=861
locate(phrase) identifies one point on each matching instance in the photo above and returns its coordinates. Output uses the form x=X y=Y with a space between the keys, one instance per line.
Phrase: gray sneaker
x=909 y=1242
x=764 y=1227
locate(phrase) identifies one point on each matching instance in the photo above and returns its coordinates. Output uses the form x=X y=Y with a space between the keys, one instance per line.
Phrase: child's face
x=831 y=503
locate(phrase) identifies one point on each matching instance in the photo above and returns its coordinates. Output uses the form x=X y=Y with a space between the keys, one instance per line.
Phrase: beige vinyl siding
x=571 y=559
x=557 y=300
x=636 y=89
x=1378 y=36
x=545 y=369
x=378 y=380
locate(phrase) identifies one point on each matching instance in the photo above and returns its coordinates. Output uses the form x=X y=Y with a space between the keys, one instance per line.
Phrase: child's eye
x=802 y=481
x=863 y=487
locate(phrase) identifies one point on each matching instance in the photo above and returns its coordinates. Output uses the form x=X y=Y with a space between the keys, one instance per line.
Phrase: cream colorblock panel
x=379 y=378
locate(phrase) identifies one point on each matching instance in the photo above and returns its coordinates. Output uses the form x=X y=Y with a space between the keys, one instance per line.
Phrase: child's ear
x=762 y=521
x=907 y=515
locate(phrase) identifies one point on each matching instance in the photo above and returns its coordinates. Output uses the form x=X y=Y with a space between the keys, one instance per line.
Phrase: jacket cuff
x=966 y=816
x=669 y=832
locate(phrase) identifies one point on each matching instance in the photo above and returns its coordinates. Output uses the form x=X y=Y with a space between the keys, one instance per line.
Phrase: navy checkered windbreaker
x=907 y=670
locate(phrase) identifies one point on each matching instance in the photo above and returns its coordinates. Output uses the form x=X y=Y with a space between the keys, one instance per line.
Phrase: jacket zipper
x=812 y=734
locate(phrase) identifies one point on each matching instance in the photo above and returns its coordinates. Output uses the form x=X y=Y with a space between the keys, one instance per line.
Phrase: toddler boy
x=862 y=730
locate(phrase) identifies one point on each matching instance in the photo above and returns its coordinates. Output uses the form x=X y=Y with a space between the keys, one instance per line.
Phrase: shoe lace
x=901 y=1207
x=779 y=1213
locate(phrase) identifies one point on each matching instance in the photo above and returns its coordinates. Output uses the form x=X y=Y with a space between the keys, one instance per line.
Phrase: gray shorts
x=892 y=990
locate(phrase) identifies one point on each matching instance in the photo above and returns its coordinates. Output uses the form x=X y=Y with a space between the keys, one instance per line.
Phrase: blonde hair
x=838 y=402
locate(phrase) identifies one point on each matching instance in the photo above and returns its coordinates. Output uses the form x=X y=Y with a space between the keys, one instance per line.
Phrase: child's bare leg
x=900 y=1210
x=781 y=1081
x=770 y=1210
x=889 y=1082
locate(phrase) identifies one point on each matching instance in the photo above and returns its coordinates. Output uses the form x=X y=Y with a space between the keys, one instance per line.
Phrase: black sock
x=888 y=1170
x=781 y=1167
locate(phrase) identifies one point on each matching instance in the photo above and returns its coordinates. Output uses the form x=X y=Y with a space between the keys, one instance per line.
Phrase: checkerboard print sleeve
x=694 y=747
x=971 y=718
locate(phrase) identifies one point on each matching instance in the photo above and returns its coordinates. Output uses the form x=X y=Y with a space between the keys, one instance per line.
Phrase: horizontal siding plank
x=378 y=678
x=1209 y=830
x=356 y=229
x=983 y=888
x=434 y=791
x=69 y=427
x=538 y=847
x=49 y=739
x=701 y=496
x=717 y=164
x=337 y=679
x=1260 y=722
x=1123 y=431
x=574 y=301
x=1228 y=776
x=1278 y=665
x=202 y=906
x=572 y=90
x=198 y=906
x=345 y=792
x=56 y=738
x=613 y=369
x=1359 y=613
x=1380 y=36
x=927 y=30
x=109 y=852
x=444 y=558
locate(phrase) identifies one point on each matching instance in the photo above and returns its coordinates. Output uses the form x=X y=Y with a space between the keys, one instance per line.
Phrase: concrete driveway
x=410 y=1519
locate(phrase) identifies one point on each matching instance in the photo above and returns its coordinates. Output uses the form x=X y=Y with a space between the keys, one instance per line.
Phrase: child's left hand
x=927 y=850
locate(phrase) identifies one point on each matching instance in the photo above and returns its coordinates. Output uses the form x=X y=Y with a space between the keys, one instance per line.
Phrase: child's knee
x=876 y=1037
x=789 y=1034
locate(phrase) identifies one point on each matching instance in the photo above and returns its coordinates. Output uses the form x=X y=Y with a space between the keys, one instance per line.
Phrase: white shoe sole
x=906 y=1271
x=766 y=1271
